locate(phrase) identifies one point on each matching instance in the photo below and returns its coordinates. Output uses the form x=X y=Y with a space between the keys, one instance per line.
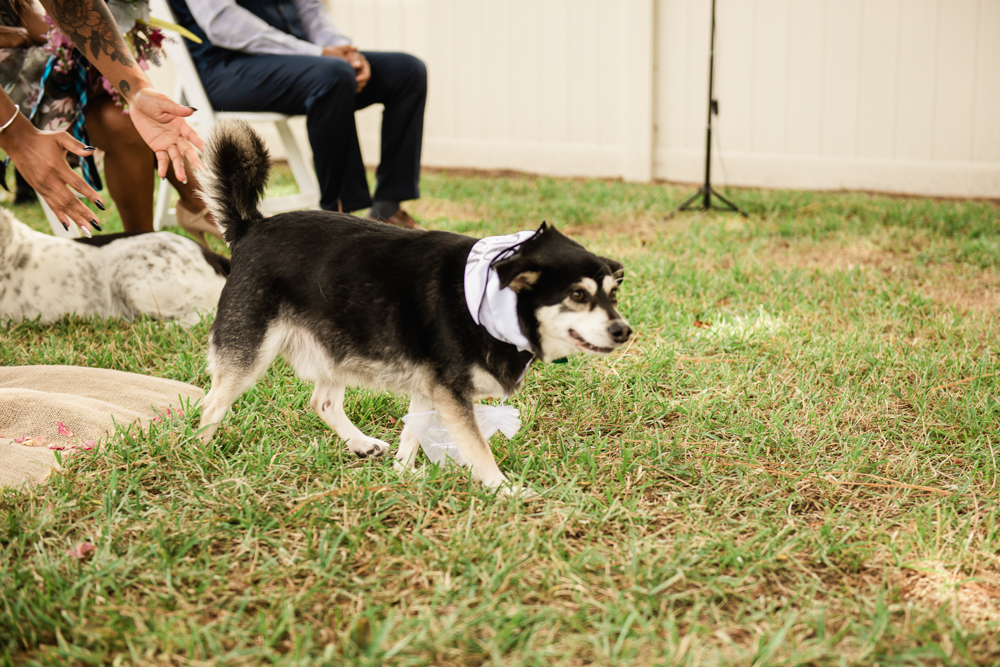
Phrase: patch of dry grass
x=794 y=462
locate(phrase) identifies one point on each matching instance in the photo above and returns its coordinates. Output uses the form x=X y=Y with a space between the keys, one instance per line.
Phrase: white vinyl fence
x=891 y=95
x=887 y=95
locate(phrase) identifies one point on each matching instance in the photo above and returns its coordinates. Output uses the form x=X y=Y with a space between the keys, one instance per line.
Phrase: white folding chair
x=57 y=228
x=189 y=91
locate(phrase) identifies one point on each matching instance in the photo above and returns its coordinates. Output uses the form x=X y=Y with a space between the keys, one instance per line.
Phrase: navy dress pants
x=323 y=89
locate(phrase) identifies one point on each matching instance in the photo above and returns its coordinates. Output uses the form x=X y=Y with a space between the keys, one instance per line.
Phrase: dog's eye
x=613 y=294
x=578 y=295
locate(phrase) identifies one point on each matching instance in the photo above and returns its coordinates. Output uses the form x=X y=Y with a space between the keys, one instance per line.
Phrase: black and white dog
x=114 y=275
x=444 y=318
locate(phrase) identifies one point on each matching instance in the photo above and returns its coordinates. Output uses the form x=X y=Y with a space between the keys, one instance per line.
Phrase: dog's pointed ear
x=543 y=228
x=524 y=280
x=617 y=270
x=517 y=273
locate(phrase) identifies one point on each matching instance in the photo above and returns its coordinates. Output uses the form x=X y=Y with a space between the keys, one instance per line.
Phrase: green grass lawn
x=793 y=462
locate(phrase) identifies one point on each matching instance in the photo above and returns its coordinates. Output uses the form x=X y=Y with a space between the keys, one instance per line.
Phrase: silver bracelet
x=17 y=110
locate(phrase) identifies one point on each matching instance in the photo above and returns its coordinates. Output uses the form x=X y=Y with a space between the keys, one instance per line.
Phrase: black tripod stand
x=706 y=191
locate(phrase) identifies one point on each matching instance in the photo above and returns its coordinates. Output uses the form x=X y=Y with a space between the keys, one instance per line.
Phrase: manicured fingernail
x=99 y=204
x=192 y=108
x=95 y=225
x=86 y=232
x=89 y=148
x=65 y=225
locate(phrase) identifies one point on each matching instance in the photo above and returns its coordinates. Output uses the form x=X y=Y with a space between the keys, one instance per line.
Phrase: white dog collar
x=493 y=308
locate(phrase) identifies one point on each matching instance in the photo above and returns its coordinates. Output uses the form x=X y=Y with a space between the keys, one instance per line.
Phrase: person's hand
x=348 y=52
x=341 y=52
x=14 y=38
x=41 y=159
x=161 y=124
x=363 y=69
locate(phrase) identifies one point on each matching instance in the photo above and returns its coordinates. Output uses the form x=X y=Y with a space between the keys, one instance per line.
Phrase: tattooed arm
x=159 y=120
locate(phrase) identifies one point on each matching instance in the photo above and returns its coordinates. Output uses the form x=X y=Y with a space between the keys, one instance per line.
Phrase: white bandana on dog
x=493 y=308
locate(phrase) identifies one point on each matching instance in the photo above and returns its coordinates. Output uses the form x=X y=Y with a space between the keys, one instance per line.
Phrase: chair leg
x=303 y=173
x=57 y=228
x=163 y=215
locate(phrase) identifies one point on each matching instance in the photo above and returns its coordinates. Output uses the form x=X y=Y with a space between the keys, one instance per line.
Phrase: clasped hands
x=348 y=52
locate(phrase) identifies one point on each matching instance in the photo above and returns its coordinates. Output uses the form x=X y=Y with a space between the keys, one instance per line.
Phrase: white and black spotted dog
x=445 y=318
x=114 y=275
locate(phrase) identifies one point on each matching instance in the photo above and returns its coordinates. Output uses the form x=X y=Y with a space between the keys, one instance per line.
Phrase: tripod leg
x=687 y=203
x=731 y=205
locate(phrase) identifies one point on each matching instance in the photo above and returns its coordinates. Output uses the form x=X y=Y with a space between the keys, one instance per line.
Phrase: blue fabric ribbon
x=76 y=87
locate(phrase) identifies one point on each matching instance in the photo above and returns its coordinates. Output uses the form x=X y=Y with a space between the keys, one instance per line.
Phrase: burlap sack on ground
x=88 y=402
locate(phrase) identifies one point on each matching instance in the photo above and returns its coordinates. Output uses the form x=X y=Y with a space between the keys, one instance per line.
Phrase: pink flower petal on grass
x=80 y=550
x=65 y=432
x=89 y=444
x=156 y=420
x=23 y=440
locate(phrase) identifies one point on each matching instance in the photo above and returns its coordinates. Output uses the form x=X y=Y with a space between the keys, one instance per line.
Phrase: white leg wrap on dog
x=460 y=420
x=406 y=455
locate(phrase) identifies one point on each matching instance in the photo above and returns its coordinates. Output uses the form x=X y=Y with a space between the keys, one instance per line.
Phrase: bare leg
x=188 y=191
x=406 y=455
x=128 y=163
x=328 y=402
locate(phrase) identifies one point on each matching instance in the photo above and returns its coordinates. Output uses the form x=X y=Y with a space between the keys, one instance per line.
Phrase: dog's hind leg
x=227 y=386
x=328 y=402
x=408 y=443
x=232 y=375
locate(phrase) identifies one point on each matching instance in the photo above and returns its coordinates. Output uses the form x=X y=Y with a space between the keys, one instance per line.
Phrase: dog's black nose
x=619 y=331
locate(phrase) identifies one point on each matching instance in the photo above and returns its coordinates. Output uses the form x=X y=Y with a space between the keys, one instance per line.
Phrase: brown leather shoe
x=399 y=219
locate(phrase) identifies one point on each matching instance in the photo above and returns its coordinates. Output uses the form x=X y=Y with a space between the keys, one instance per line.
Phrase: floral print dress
x=53 y=83
x=21 y=72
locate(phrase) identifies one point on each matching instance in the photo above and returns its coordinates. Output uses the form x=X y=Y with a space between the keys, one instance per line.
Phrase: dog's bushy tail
x=237 y=166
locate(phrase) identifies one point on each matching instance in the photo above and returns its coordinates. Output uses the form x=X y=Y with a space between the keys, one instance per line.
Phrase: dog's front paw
x=365 y=447
x=516 y=490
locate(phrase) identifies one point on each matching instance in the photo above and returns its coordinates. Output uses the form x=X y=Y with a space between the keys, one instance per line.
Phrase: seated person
x=287 y=56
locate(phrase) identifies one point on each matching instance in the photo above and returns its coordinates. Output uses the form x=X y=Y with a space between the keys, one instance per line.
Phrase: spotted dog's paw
x=367 y=447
